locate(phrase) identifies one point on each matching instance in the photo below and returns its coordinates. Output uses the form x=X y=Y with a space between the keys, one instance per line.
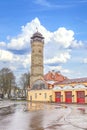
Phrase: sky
x=63 y=23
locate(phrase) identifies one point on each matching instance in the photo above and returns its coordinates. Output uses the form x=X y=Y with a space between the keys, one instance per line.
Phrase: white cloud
x=17 y=44
x=61 y=58
x=85 y=60
x=27 y=60
x=63 y=37
x=22 y=41
x=15 y=61
x=5 y=55
x=77 y=44
x=59 y=68
x=2 y=45
x=56 y=46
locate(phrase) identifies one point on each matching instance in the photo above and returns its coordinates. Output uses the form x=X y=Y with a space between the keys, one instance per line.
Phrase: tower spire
x=36 y=29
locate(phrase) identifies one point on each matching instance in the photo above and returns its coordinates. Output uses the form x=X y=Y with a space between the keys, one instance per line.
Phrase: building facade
x=53 y=86
x=71 y=91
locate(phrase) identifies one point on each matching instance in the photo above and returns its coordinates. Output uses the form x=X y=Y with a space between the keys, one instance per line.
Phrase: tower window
x=39 y=51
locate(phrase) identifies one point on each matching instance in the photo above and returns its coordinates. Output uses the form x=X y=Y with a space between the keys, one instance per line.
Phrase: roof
x=79 y=86
x=39 y=85
x=38 y=35
x=54 y=76
x=69 y=81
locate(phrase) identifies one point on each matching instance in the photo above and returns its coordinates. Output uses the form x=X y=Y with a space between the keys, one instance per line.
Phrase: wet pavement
x=17 y=115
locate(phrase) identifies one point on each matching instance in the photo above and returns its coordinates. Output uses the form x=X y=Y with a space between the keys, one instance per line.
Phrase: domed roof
x=37 y=34
x=39 y=85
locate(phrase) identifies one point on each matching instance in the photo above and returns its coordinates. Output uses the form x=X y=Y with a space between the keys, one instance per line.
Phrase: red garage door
x=68 y=97
x=80 y=97
x=57 y=96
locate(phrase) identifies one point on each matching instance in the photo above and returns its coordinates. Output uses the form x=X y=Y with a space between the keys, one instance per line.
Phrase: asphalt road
x=19 y=115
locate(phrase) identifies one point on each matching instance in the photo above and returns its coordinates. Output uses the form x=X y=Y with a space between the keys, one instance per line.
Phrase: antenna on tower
x=37 y=29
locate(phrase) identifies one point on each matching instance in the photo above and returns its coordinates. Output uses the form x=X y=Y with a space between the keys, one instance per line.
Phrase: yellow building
x=61 y=90
x=40 y=95
x=71 y=91
x=40 y=92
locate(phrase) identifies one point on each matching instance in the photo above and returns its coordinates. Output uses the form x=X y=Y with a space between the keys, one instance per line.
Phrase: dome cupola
x=37 y=37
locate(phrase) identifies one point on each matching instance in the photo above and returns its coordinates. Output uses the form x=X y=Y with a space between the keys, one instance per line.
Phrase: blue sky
x=63 y=23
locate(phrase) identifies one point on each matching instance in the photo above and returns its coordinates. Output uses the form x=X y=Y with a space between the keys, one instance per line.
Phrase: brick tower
x=37 y=44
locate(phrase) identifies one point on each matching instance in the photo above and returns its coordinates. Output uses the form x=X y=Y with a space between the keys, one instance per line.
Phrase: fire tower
x=37 y=45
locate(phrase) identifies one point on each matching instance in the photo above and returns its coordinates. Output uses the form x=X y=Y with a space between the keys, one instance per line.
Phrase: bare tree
x=7 y=81
x=25 y=80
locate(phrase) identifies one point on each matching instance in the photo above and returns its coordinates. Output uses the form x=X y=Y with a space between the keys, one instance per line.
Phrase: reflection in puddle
x=36 y=121
x=82 y=110
x=35 y=106
x=42 y=116
x=31 y=106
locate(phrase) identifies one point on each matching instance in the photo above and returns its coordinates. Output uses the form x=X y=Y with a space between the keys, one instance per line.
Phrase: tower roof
x=37 y=35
